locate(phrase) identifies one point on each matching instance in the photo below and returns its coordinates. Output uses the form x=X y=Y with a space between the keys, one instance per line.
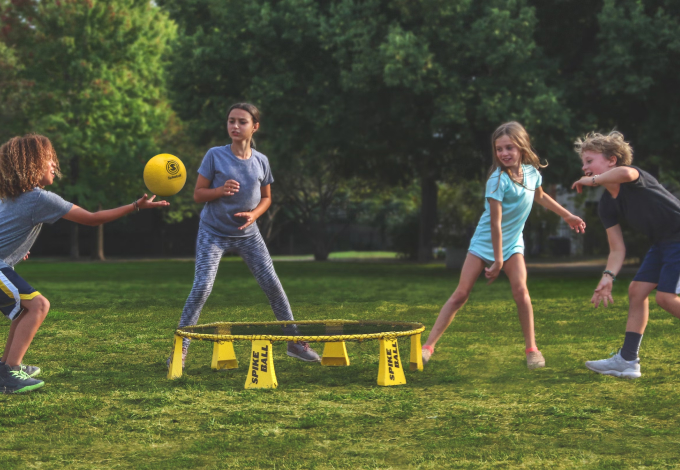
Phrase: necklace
x=519 y=177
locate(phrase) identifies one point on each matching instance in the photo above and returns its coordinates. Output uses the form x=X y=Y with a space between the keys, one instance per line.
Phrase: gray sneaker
x=31 y=371
x=616 y=366
x=302 y=351
x=184 y=358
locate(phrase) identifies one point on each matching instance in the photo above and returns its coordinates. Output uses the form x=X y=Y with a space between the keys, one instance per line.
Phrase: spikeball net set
x=334 y=333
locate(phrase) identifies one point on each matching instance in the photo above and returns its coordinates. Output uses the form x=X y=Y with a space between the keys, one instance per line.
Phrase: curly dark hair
x=23 y=161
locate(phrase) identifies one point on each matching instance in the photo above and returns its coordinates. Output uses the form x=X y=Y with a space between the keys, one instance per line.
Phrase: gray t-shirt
x=220 y=165
x=21 y=219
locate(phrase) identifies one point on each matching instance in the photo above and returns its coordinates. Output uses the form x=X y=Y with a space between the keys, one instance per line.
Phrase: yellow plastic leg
x=223 y=356
x=390 y=371
x=261 y=371
x=335 y=354
x=416 y=353
x=175 y=369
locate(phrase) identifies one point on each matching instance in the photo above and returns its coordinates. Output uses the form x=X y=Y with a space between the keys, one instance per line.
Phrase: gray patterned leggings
x=209 y=251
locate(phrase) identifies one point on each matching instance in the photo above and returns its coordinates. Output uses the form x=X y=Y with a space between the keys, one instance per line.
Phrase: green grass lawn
x=107 y=402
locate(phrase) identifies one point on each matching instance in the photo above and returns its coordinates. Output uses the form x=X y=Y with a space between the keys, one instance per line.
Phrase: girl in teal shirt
x=514 y=184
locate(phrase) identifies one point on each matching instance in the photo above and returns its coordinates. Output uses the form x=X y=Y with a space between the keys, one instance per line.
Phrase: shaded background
x=376 y=115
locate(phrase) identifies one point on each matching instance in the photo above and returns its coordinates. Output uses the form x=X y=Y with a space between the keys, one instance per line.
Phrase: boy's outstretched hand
x=603 y=293
x=146 y=202
x=585 y=181
x=576 y=223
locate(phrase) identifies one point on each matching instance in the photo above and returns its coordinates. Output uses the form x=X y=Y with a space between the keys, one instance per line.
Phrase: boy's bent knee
x=665 y=300
x=38 y=304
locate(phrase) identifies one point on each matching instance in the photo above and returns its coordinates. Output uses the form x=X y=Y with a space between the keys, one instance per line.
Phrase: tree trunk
x=99 y=243
x=75 y=247
x=428 y=217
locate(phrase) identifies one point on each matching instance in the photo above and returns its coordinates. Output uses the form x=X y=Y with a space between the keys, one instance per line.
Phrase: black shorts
x=661 y=266
x=13 y=289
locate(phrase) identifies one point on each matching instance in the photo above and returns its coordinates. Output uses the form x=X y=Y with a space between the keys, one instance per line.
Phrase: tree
x=430 y=80
x=267 y=52
x=13 y=93
x=96 y=69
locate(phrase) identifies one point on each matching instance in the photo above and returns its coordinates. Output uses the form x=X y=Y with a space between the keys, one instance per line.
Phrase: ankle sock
x=631 y=346
x=530 y=350
x=429 y=348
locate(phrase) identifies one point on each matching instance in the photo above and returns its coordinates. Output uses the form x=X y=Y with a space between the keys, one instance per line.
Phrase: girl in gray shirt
x=234 y=182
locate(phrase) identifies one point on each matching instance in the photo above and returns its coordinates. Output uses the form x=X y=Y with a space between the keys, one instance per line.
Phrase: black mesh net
x=304 y=329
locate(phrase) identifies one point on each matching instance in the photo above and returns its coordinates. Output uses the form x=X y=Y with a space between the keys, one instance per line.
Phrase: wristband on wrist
x=594 y=183
x=609 y=273
x=135 y=206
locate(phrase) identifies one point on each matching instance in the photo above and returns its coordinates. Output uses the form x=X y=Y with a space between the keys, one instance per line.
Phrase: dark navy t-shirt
x=647 y=206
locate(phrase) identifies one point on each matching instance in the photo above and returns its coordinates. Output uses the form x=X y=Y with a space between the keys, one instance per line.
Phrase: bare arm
x=617 y=255
x=81 y=216
x=204 y=193
x=265 y=202
x=618 y=175
x=496 y=209
x=574 y=222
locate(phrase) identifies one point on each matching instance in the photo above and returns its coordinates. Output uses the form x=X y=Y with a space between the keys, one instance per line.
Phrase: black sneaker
x=15 y=380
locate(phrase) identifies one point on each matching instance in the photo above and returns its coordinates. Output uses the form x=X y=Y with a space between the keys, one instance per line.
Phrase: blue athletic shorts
x=13 y=289
x=661 y=266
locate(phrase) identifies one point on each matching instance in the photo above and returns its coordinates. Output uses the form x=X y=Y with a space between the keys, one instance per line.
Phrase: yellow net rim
x=417 y=328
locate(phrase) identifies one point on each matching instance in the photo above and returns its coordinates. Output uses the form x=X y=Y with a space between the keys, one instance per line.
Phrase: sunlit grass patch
x=107 y=402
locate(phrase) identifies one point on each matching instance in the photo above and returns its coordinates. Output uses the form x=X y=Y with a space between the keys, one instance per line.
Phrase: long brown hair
x=23 y=161
x=250 y=109
x=520 y=137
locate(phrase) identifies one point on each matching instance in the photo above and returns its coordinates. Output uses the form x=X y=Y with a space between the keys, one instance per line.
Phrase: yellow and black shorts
x=13 y=289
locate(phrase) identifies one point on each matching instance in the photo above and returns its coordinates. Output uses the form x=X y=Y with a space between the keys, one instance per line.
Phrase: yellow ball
x=165 y=175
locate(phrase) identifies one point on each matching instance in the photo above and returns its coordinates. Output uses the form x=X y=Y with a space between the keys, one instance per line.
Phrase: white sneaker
x=616 y=366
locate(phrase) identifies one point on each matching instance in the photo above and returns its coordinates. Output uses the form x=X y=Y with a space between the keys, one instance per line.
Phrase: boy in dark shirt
x=637 y=197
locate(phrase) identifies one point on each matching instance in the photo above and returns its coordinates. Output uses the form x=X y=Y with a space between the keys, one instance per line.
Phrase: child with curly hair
x=27 y=165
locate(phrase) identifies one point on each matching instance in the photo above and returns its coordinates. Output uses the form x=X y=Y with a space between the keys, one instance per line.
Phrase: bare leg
x=638 y=305
x=517 y=274
x=12 y=328
x=669 y=302
x=23 y=329
x=472 y=268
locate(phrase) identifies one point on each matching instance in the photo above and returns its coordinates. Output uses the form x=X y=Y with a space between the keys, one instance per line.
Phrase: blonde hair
x=23 y=161
x=610 y=145
x=519 y=136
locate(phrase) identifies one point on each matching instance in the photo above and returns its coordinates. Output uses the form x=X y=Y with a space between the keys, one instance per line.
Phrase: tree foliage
x=96 y=78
